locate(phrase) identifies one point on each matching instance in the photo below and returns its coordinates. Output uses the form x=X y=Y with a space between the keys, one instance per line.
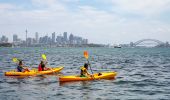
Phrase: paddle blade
x=44 y=56
x=86 y=55
x=15 y=60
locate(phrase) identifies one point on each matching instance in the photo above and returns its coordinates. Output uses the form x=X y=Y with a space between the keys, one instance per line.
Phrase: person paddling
x=20 y=67
x=84 y=71
x=42 y=66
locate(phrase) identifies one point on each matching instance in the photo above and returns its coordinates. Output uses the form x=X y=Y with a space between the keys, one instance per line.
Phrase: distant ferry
x=117 y=47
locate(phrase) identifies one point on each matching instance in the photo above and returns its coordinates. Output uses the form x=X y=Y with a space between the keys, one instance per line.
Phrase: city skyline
x=106 y=22
x=54 y=39
x=36 y=35
x=71 y=40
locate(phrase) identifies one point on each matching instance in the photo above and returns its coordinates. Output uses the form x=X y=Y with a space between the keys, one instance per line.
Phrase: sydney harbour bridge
x=149 y=43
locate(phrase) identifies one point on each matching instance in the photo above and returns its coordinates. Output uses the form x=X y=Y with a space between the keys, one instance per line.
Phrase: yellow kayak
x=33 y=72
x=96 y=76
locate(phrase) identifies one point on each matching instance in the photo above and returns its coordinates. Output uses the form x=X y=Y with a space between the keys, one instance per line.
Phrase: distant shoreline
x=5 y=44
x=52 y=45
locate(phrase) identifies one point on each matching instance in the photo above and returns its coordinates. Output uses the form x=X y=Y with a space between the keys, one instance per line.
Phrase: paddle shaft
x=90 y=66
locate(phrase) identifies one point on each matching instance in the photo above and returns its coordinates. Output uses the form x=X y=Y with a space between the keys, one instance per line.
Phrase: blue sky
x=101 y=21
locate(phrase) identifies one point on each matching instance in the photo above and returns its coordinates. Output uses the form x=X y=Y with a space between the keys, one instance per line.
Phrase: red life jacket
x=39 y=67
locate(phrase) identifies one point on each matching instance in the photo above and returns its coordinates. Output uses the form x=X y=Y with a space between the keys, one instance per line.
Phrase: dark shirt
x=19 y=68
x=42 y=66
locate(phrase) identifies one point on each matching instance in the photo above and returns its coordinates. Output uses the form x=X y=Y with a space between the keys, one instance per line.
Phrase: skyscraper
x=53 y=37
x=36 y=37
x=26 y=37
x=85 y=41
x=15 y=38
x=71 y=38
x=4 y=39
x=65 y=36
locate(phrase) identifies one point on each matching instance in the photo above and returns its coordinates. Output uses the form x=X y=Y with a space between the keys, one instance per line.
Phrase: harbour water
x=143 y=73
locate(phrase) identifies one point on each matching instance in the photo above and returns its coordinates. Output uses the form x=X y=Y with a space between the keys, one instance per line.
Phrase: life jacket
x=39 y=67
x=83 y=71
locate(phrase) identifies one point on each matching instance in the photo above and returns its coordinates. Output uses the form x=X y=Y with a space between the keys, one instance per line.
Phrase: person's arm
x=22 y=66
x=25 y=68
x=88 y=73
x=45 y=62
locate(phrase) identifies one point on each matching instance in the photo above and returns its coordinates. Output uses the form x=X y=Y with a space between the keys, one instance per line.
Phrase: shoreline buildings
x=4 y=42
x=70 y=40
x=54 y=40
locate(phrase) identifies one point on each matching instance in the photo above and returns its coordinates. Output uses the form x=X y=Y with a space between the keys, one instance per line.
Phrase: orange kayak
x=96 y=76
x=33 y=72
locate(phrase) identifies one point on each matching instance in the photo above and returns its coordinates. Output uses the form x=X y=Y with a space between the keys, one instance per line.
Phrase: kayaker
x=20 y=67
x=42 y=66
x=84 y=71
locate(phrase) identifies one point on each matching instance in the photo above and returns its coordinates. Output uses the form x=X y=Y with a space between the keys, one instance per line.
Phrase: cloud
x=6 y=6
x=93 y=17
x=142 y=7
x=98 y=25
x=53 y=5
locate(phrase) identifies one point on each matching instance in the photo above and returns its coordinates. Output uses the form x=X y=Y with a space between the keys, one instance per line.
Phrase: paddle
x=86 y=55
x=15 y=60
x=44 y=56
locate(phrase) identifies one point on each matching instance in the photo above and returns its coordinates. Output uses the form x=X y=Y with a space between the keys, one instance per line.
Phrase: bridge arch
x=144 y=40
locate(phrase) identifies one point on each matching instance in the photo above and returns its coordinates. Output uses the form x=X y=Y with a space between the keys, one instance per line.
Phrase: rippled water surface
x=143 y=73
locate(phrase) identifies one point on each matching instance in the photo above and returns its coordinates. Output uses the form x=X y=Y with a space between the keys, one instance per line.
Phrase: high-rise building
x=53 y=37
x=85 y=41
x=30 y=41
x=44 y=39
x=71 y=38
x=4 y=39
x=26 y=32
x=36 y=37
x=65 y=36
x=59 y=39
x=15 y=38
x=77 y=40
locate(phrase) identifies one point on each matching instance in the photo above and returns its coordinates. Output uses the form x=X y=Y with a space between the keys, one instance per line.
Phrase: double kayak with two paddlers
x=33 y=72
x=96 y=76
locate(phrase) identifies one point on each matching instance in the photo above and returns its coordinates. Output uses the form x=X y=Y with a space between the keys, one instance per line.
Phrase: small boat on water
x=96 y=76
x=33 y=72
x=117 y=47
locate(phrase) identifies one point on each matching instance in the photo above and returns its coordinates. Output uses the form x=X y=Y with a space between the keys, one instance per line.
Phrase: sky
x=100 y=21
